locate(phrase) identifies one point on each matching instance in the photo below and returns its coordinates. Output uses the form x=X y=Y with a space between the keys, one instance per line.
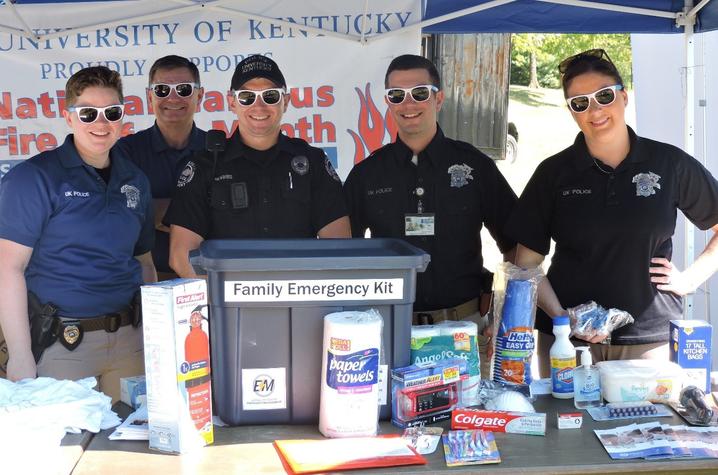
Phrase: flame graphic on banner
x=371 y=126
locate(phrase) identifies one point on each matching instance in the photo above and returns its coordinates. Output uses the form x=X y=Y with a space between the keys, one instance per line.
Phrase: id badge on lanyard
x=419 y=223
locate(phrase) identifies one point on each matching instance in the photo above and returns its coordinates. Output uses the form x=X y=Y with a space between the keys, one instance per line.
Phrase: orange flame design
x=371 y=126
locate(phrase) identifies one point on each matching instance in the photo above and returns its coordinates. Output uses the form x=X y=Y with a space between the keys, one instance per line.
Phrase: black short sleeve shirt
x=461 y=186
x=288 y=191
x=608 y=224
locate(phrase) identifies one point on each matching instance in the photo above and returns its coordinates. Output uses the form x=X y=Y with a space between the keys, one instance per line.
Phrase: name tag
x=419 y=224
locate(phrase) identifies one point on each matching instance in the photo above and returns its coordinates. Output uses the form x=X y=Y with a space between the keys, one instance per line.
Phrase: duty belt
x=453 y=313
x=110 y=322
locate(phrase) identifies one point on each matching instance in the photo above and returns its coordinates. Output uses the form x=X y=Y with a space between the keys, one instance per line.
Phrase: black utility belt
x=71 y=330
x=110 y=322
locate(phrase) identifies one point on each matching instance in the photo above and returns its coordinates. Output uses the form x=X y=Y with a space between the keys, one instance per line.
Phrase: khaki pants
x=648 y=351
x=108 y=356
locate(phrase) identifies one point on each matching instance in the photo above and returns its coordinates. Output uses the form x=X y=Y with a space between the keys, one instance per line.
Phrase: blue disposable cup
x=518 y=305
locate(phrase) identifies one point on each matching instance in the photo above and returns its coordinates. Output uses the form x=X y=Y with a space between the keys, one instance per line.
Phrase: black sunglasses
x=597 y=53
x=396 y=95
x=89 y=114
x=246 y=97
x=184 y=89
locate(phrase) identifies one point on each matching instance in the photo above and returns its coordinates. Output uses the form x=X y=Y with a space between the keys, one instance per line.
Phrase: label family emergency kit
x=268 y=300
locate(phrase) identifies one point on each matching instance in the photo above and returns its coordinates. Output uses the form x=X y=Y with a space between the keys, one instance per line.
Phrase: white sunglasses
x=246 y=97
x=89 y=114
x=603 y=97
x=422 y=93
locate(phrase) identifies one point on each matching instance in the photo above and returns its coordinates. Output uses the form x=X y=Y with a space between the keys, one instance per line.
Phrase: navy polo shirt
x=608 y=224
x=461 y=186
x=162 y=164
x=84 y=233
x=288 y=191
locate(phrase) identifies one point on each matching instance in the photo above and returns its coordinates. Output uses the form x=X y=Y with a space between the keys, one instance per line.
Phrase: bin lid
x=308 y=254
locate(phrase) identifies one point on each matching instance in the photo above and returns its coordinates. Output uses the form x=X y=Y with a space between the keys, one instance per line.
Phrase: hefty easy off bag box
x=179 y=397
x=690 y=348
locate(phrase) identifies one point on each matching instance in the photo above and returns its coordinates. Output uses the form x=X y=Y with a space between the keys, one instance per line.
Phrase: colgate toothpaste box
x=530 y=423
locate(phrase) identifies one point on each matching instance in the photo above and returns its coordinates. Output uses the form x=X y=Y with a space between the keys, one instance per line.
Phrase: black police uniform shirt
x=464 y=190
x=607 y=226
x=162 y=164
x=288 y=191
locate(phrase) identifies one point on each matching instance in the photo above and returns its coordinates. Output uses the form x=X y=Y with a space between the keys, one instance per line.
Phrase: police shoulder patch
x=187 y=174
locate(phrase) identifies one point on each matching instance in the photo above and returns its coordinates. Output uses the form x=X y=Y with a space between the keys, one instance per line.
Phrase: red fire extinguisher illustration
x=196 y=350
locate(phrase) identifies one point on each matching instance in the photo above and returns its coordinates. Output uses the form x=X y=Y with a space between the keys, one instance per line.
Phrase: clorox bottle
x=563 y=359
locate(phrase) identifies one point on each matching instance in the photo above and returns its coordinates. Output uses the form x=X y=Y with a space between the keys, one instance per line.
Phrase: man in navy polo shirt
x=163 y=150
x=76 y=229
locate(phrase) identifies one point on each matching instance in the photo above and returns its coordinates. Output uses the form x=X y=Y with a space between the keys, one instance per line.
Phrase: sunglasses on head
x=603 y=97
x=183 y=89
x=246 y=98
x=597 y=53
x=396 y=95
x=89 y=114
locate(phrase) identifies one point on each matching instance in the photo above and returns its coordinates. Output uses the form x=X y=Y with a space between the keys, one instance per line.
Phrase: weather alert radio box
x=691 y=350
x=179 y=397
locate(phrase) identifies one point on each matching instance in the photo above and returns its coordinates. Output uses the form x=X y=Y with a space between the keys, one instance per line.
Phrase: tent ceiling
x=446 y=16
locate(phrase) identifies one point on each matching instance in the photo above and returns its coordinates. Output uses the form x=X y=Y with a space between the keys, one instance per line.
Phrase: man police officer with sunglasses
x=163 y=150
x=263 y=185
x=434 y=192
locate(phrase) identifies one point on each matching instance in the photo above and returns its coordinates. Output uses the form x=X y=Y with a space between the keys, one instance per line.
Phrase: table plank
x=248 y=449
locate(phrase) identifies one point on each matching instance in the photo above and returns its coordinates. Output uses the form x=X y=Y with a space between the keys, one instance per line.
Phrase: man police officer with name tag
x=263 y=184
x=434 y=192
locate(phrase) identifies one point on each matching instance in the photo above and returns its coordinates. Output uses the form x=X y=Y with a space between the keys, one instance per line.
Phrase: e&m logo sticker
x=264 y=389
x=263 y=385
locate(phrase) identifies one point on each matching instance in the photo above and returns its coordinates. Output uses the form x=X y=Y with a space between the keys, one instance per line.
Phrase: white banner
x=302 y=290
x=336 y=84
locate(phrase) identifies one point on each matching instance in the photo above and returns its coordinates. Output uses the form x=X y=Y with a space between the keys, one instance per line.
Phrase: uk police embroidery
x=330 y=169
x=132 y=194
x=186 y=175
x=646 y=183
x=300 y=164
x=460 y=175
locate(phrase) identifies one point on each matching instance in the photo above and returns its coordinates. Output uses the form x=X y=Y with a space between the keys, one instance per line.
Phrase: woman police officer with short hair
x=609 y=201
x=76 y=228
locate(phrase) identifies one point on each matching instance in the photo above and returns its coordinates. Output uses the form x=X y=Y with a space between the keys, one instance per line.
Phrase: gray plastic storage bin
x=255 y=333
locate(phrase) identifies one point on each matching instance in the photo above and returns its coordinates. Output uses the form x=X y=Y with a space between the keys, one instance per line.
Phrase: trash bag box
x=267 y=302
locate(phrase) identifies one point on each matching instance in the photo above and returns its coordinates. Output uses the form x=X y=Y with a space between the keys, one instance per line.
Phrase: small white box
x=177 y=366
x=133 y=391
x=570 y=420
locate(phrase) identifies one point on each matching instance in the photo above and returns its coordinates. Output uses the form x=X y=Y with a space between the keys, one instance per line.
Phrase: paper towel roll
x=425 y=331
x=349 y=405
x=464 y=335
x=454 y=327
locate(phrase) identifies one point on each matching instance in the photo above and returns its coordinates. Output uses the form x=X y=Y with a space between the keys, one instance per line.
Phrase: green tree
x=550 y=49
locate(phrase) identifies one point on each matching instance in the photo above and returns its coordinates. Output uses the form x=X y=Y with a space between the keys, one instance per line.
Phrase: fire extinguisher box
x=177 y=364
x=268 y=299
